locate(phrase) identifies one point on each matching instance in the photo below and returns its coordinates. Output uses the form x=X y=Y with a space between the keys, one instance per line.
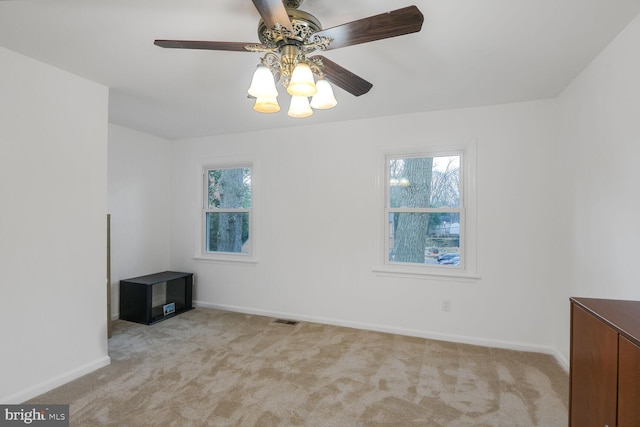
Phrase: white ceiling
x=469 y=53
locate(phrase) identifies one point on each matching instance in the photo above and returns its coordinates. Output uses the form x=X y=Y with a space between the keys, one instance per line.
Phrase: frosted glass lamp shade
x=262 y=84
x=301 y=83
x=266 y=105
x=299 y=107
x=323 y=99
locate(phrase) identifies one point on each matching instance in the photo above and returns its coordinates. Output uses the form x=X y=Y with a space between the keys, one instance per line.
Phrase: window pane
x=424 y=182
x=227 y=232
x=229 y=188
x=424 y=238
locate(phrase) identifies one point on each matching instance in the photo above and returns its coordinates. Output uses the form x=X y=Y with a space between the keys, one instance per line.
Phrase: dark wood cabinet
x=629 y=384
x=605 y=363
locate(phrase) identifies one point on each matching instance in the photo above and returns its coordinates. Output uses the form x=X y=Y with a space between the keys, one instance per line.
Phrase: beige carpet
x=215 y=368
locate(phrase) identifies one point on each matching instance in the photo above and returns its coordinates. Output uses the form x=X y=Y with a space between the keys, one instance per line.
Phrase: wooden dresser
x=605 y=363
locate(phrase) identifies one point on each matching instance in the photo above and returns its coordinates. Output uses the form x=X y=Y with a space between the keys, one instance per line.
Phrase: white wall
x=318 y=210
x=53 y=180
x=139 y=201
x=599 y=116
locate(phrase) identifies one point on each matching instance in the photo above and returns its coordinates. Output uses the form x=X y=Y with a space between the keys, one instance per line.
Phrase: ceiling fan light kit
x=288 y=35
x=266 y=105
x=262 y=84
x=301 y=82
x=299 y=107
x=324 y=98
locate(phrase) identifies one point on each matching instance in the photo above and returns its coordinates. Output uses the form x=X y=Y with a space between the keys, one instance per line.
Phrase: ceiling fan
x=288 y=35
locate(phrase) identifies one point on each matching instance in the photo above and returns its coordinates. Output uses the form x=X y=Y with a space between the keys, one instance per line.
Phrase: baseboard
x=562 y=361
x=508 y=345
x=52 y=383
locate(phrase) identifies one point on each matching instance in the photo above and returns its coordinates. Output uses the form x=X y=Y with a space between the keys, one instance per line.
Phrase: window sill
x=226 y=260
x=421 y=273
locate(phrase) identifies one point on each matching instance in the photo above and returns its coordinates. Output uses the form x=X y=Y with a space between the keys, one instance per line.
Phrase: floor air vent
x=286 y=322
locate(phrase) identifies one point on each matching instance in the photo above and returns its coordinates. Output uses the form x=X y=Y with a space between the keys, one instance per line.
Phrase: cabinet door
x=629 y=384
x=594 y=371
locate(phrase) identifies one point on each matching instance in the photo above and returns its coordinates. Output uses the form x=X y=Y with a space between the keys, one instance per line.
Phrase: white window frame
x=203 y=193
x=467 y=270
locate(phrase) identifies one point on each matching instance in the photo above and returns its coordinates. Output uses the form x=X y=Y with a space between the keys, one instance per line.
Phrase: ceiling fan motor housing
x=292 y=4
x=304 y=25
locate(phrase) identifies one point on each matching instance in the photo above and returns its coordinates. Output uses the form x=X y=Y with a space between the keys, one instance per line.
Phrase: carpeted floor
x=215 y=368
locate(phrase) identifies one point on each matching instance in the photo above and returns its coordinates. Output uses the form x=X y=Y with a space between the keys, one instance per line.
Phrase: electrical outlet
x=446 y=305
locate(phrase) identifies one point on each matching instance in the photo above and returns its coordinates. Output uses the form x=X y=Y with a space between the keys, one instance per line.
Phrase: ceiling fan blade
x=193 y=44
x=344 y=78
x=272 y=12
x=391 y=24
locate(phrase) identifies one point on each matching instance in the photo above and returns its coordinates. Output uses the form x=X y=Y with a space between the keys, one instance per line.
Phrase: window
x=427 y=227
x=227 y=211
